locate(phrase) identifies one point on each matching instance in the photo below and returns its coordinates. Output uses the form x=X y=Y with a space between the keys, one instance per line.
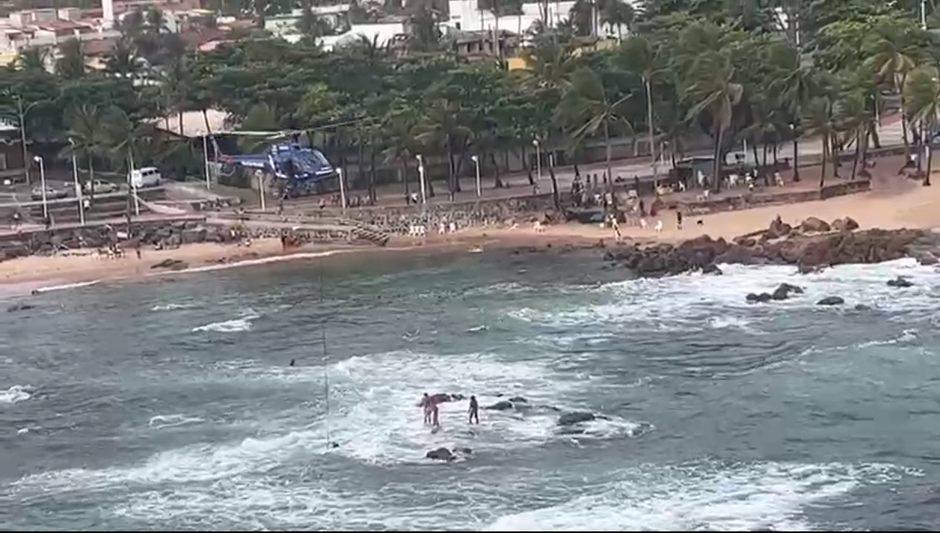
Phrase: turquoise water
x=172 y=405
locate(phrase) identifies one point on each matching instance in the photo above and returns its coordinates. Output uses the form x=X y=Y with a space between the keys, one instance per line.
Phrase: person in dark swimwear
x=425 y=404
x=474 y=410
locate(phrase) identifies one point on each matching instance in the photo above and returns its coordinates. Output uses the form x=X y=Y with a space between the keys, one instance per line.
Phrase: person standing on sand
x=474 y=411
x=678 y=219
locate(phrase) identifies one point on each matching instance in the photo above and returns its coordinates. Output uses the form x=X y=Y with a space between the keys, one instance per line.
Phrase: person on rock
x=425 y=404
x=474 y=411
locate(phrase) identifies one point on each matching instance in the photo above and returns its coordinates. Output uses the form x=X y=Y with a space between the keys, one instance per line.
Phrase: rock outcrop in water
x=577 y=417
x=815 y=244
x=900 y=282
x=443 y=454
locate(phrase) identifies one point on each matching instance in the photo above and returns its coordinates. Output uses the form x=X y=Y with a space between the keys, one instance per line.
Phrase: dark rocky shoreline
x=812 y=246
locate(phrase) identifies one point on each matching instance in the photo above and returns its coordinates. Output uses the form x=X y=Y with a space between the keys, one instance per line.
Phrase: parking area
x=19 y=193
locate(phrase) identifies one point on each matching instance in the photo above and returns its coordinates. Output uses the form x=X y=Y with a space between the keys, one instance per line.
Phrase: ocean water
x=171 y=404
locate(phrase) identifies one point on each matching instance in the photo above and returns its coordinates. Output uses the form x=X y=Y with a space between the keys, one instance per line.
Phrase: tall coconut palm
x=821 y=121
x=125 y=141
x=86 y=140
x=714 y=92
x=589 y=109
x=922 y=101
x=618 y=14
x=442 y=127
x=794 y=90
x=638 y=56
x=893 y=55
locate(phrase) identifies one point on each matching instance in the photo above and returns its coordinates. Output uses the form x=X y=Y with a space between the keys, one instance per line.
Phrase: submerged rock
x=831 y=300
x=440 y=454
x=783 y=291
x=758 y=298
x=577 y=417
x=900 y=282
x=502 y=405
x=443 y=454
x=20 y=307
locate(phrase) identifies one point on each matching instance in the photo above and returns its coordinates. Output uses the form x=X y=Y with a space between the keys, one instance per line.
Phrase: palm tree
x=821 y=121
x=86 y=140
x=854 y=119
x=638 y=56
x=71 y=61
x=400 y=123
x=714 y=92
x=794 y=90
x=617 y=14
x=590 y=109
x=125 y=141
x=922 y=99
x=32 y=58
x=442 y=127
x=893 y=56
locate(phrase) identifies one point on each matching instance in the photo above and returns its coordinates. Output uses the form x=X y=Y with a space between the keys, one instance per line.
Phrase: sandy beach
x=887 y=207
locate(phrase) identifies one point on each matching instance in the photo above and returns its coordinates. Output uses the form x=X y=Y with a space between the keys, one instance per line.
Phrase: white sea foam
x=16 y=393
x=229 y=326
x=66 y=286
x=736 y=497
x=733 y=498
x=382 y=422
x=171 y=307
x=691 y=300
x=374 y=419
x=172 y=421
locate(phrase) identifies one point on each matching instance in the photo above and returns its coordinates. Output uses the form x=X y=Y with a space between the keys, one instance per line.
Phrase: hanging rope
x=326 y=358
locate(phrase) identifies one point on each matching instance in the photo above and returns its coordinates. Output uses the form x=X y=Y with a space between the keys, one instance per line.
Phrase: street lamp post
x=538 y=157
x=42 y=183
x=342 y=189
x=476 y=163
x=424 y=198
x=205 y=160
x=78 y=187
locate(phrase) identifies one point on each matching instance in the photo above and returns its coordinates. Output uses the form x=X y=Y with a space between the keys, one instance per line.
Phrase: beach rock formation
x=814 y=225
x=810 y=248
x=844 y=224
x=831 y=300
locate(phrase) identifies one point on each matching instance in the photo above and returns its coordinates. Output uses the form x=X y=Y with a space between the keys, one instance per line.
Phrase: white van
x=146 y=177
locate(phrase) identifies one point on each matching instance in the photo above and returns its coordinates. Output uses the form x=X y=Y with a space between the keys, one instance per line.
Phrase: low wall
x=397 y=219
x=158 y=233
x=752 y=200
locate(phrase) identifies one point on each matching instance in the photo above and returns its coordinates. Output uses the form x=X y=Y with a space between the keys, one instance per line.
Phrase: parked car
x=99 y=187
x=51 y=193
